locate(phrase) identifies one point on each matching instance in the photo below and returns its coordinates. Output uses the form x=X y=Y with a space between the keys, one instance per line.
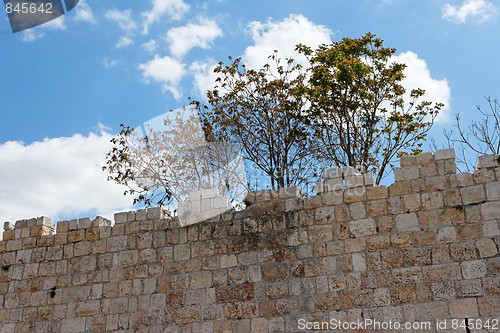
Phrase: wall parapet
x=425 y=248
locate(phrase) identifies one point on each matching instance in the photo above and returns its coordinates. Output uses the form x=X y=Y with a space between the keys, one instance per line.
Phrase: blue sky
x=66 y=86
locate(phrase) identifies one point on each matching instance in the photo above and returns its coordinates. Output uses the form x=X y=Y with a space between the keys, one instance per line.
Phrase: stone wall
x=423 y=249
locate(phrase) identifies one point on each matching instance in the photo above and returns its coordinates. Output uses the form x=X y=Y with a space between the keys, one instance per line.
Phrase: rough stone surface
x=422 y=249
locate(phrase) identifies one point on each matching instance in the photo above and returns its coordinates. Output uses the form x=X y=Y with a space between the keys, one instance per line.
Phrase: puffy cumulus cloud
x=283 y=36
x=165 y=70
x=418 y=75
x=84 y=13
x=201 y=34
x=174 y=8
x=479 y=10
x=35 y=33
x=123 y=42
x=123 y=18
x=59 y=178
x=204 y=76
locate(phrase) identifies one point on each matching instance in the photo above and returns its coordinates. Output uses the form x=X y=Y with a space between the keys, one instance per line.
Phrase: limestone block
x=428 y=170
x=491 y=228
x=469 y=288
x=84 y=223
x=464 y=179
x=141 y=215
x=377 y=192
x=365 y=227
x=447 y=235
x=407 y=222
x=353 y=181
x=473 y=269
x=444 y=154
x=120 y=217
x=441 y=273
x=73 y=224
x=483 y=176
x=473 y=194
x=332 y=198
x=464 y=308
x=8 y=226
x=100 y=221
x=44 y=221
x=488 y=161
x=348 y=171
x=398 y=174
x=407 y=160
x=358 y=262
x=289 y=192
x=228 y=260
x=447 y=167
x=8 y=235
x=368 y=179
x=400 y=188
x=486 y=247
x=490 y=210
x=411 y=173
x=332 y=185
x=73 y=325
x=321 y=213
x=493 y=191
x=358 y=210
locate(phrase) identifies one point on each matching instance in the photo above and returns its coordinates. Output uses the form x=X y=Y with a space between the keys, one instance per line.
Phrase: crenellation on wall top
x=488 y=161
x=419 y=175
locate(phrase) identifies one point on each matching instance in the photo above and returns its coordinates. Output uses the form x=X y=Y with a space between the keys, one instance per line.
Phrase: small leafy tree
x=481 y=137
x=168 y=163
x=261 y=111
x=358 y=114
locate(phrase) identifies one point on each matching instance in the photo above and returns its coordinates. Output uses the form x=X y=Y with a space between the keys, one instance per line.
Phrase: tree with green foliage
x=261 y=111
x=358 y=113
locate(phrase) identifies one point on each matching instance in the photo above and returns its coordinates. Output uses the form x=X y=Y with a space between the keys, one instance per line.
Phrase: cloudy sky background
x=67 y=85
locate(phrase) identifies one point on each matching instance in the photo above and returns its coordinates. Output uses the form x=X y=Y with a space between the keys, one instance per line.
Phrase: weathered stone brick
x=407 y=222
x=473 y=269
x=466 y=232
x=490 y=210
x=486 y=247
x=473 y=194
x=464 y=308
x=441 y=273
x=360 y=228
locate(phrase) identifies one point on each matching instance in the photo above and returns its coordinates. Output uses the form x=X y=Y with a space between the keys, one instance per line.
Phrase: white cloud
x=56 y=24
x=123 y=18
x=480 y=10
x=283 y=36
x=174 y=8
x=165 y=70
x=59 y=177
x=182 y=39
x=109 y=63
x=418 y=75
x=84 y=13
x=33 y=34
x=124 y=42
x=204 y=76
x=150 y=46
